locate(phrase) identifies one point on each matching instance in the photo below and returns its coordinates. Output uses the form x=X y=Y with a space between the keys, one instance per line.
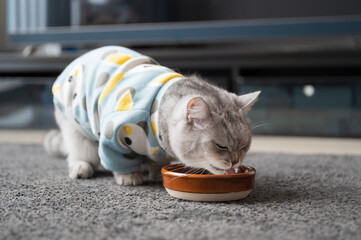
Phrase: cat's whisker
x=192 y=170
x=260 y=125
x=255 y=123
x=203 y=170
x=179 y=168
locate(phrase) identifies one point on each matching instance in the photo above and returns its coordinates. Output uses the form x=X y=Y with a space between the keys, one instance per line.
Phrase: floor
x=263 y=144
x=294 y=197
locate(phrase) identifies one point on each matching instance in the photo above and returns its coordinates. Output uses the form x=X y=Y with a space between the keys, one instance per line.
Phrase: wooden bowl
x=200 y=185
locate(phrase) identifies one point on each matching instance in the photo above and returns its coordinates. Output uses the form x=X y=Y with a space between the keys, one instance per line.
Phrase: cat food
x=200 y=185
x=232 y=170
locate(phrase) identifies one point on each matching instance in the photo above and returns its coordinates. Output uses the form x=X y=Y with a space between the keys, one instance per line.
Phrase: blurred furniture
x=308 y=68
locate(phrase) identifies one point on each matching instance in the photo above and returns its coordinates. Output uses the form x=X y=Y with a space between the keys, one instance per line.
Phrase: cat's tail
x=54 y=144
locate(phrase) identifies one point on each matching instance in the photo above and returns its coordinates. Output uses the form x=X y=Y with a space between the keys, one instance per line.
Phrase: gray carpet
x=295 y=197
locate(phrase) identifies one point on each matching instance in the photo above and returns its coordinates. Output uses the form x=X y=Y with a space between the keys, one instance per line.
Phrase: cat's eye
x=220 y=147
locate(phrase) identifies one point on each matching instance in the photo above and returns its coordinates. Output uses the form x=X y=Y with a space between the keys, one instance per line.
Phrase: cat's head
x=212 y=132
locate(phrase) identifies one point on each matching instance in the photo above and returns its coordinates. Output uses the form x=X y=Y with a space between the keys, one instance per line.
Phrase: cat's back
x=104 y=59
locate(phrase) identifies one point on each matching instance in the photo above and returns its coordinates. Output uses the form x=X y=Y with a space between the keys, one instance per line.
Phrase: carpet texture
x=295 y=197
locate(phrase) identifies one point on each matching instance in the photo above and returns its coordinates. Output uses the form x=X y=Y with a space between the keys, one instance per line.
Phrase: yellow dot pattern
x=55 y=89
x=154 y=128
x=110 y=85
x=117 y=58
x=125 y=103
x=128 y=130
x=162 y=79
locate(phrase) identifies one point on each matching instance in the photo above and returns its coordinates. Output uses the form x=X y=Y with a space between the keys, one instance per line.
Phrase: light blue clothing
x=112 y=95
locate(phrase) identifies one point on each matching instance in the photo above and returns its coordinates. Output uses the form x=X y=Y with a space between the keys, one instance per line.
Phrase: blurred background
x=305 y=55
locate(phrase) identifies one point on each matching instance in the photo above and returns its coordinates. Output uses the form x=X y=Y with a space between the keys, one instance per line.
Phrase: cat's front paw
x=80 y=169
x=134 y=178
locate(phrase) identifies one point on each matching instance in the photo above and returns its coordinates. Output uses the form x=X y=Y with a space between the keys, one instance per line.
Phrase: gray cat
x=211 y=132
x=116 y=107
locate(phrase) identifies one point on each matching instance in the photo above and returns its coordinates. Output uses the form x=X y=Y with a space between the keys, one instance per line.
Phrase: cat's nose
x=234 y=161
x=235 y=158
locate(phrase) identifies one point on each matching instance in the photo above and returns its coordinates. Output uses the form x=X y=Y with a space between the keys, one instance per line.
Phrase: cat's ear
x=246 y=101
x=197 y=112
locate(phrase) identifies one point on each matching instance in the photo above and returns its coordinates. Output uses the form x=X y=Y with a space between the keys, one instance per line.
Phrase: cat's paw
x=80 y=169
x=134 y=178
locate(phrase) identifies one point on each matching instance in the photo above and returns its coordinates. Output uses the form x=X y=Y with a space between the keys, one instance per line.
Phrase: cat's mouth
x=231 y=170
x=216 y=170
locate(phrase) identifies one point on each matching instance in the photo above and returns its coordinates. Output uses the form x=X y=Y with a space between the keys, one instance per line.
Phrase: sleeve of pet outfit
x=119 y=135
